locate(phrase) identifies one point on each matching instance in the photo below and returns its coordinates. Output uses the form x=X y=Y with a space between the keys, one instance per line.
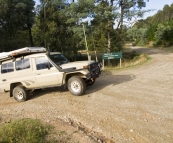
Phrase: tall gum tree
x=116 y=12
x=16 y=20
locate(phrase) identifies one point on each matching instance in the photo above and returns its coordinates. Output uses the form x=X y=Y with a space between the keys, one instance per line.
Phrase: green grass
x=31 y=131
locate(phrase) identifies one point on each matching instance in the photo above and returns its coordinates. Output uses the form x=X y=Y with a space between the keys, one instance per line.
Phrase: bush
x=24 y=131
x=128 y=56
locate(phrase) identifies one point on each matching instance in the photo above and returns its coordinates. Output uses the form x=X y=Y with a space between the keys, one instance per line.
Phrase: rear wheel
x=20 y=94
x=76 y=86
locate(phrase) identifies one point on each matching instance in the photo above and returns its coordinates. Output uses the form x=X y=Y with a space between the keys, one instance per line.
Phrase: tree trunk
x=109 y=42
x=110 y=26
x=30 y=34
x=120 y=23
x=30 y=38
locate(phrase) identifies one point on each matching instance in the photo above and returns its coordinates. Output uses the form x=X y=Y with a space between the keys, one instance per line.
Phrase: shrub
x=24 y=131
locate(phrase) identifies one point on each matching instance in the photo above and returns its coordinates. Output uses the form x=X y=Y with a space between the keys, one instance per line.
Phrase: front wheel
x=20 y=94
x=76 y=86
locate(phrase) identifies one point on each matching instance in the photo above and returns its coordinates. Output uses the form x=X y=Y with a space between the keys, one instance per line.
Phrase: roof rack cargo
x=23 y=51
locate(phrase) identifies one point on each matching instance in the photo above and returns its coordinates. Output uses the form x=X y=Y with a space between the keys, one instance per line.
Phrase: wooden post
x=120 y=62
x=103 y=64
x=89 y=58
x=85 y=41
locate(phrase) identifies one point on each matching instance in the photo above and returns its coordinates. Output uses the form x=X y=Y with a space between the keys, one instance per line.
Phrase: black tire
x=20 y=94
x=90 y=82
x=76 y=86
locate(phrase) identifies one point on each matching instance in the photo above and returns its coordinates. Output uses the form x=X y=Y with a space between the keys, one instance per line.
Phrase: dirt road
x=134 y=105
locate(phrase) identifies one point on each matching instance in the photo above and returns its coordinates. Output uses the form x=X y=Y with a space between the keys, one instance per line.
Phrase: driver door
x=46 y=74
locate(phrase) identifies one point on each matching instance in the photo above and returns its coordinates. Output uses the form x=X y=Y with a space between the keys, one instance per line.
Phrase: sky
x=152 y=4
x=156 y=5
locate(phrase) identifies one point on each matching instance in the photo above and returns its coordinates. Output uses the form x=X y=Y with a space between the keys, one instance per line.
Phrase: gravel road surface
x=133 y=105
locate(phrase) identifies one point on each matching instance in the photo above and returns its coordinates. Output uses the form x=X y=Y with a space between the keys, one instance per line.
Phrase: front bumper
x=95 y=70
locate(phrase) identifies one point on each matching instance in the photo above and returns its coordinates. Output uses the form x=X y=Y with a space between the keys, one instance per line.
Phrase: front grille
x=94 y=69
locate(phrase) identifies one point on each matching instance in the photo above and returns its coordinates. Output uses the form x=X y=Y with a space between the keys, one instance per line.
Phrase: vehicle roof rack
x=23 y=51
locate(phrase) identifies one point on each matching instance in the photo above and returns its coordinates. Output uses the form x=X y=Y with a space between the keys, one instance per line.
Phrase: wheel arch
x=68 y=76
x=13 y=85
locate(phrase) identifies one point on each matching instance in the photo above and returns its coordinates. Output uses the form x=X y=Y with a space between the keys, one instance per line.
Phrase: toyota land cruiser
x=32 y=68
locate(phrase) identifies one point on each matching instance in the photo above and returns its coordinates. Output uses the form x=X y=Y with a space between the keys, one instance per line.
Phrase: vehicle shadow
x=109 y=79
x=41 y=92
x=103 y=81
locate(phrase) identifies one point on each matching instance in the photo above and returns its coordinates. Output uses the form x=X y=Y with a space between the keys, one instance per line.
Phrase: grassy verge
x=30 y=131
x=136 y=61
x=168 y=49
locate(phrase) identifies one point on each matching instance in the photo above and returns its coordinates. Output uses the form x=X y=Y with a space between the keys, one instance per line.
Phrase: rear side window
x=42 y=63
x=7 y=67
x=22 y=64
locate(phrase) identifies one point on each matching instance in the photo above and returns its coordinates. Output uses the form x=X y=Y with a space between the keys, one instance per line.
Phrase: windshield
x=58 y=59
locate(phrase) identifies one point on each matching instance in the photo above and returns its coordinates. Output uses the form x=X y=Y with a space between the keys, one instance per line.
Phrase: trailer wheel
x=76 y=86
x=20 y=94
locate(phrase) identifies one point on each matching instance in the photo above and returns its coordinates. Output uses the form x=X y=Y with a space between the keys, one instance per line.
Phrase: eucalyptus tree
x=159 y=26
x=59 y=23
x=103 y=21
x=115 y=15
x=129 y=12
x=167 y=12
x=16 y=20
x=77 y=14
x=50 y=28
x=129 y=9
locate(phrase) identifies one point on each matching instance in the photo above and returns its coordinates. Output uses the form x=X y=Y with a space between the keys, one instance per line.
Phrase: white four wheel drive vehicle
x=31 y=68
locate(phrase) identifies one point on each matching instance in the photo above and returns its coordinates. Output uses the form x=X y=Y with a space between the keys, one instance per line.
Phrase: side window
x=22 y=64
x=7 y=67
x=42 y=63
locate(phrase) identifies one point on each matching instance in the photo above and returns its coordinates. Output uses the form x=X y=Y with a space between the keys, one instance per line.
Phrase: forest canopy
x=157 y=28
x=59 y=25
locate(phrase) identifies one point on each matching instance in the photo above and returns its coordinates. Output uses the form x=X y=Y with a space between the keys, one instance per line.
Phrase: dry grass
x=137 y=60
x=168 y=49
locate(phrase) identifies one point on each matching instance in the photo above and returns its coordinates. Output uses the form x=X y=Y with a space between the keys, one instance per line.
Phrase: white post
x=103 y=63
x=85 y=40
x=96 y=57
x=89 y=58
